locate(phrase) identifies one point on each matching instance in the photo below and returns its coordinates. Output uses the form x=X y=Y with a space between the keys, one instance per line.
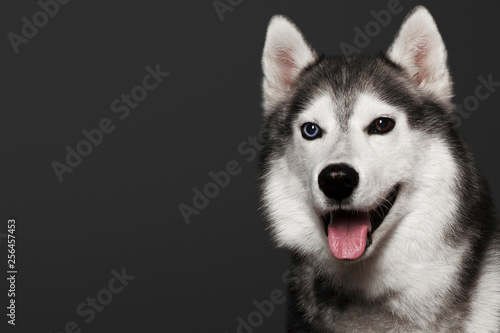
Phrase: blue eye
x=311 y=131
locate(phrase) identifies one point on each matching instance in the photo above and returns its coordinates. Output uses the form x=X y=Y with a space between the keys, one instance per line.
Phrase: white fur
x=409 y=256
x=297 y=224
x=286 y=53
x=420 y=50
x=404 y=247
x=486 y=299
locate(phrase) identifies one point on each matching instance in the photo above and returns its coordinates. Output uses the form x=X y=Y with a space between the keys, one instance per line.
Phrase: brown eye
x=381 y=126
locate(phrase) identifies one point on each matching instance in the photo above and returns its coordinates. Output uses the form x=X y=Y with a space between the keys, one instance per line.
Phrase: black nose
x=338 y=181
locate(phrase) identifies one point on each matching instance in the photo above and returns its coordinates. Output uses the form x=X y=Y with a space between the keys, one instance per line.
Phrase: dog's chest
x=315 y=306
x=330 y=311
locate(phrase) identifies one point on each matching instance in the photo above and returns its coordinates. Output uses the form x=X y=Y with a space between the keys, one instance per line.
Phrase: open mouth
x=350 y=232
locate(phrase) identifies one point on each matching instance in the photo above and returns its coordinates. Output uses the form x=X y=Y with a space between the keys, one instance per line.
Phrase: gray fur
x=322 y=295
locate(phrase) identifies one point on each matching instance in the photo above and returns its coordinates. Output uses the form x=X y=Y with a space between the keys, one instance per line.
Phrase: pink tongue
x=347 y=234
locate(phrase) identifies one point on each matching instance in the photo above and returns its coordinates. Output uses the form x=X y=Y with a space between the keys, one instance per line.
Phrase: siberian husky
x=366 y=181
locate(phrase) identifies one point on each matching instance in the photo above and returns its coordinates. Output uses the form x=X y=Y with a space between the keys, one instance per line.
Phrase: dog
x=366 y=181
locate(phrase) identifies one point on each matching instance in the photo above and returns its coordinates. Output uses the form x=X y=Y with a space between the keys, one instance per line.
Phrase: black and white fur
x=434 y=264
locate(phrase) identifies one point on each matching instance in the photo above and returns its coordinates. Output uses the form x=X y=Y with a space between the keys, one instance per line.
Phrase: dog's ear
x=285 y=54
x=419 y=49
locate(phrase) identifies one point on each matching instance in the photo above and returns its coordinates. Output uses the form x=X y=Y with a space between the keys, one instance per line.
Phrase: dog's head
x=346 y=137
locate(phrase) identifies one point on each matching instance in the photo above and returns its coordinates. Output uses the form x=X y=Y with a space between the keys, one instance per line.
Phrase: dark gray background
x=119 y=208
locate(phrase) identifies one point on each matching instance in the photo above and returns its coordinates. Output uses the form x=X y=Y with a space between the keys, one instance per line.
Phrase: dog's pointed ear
x=286 y=54
x=419 y=49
